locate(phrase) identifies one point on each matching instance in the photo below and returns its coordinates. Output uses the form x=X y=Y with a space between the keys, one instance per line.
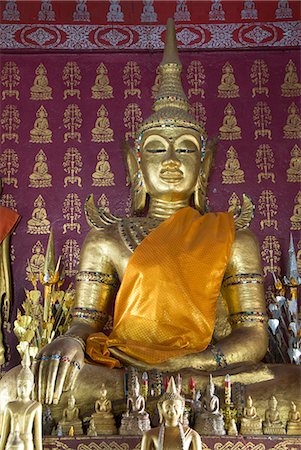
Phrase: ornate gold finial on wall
x=265 y=162
x=9 y=165
x=232 y=174
x=227 y=87
x=72 y=165
x=292 y=128
x=72 y=122
x=71 y=77
x=262 y=118
x=259 y=77
x=267 y=206
x=10 y=79
x=40 y=89
x=196 y=79
x=271 y=254
x=101 y=89
x=132 y=79
x=10 y=121
x=132 y=119
x=296 y=217
x=40 y=178
x=72 y=211
x=229 y=130
x=102 y=131
x=291 y=86
x=41 y=134
x=38 y=224
x=294 y=170
x=103 y=175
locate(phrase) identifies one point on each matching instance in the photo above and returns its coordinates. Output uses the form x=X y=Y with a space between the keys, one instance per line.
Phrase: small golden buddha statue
x=24 y=413
x=40 y=178
x=102 y=131
x=273 y=424
x=250 y=422
x=294 y=170
x=233 y=173
x=103 y=418
x=171 y=435
x=210 y=421
x=296 y=217
x=40 y=89
x=103 y=175
x=136 y=420
x=291 y=86
x=230 y=130
x=228 y=88
x=39 y=224
x=292 y=128
x=294 y=421
x=40 y=133
x=101 y=88
x=71 y=418
x=92 y=429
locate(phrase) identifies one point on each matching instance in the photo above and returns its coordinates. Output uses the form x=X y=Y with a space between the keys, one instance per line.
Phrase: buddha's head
x=293 y=406
x=273 y=402
x=136 y=387
x=103 y=391
x=71 y=401
x=171 y=405
x=210 y=387
x=170 y=146
x=25 y=379
x=249 y=401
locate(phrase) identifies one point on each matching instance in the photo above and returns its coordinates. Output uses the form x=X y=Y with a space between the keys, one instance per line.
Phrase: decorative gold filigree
x=227 y=87
x=40 y=133
x=292 y=128
x=199 y=112
x=70 y=252
x=40 y=89
x=267 y=206
x=35 y=265
x=71 y=78
x=10 y=78
x=294 y=170
x=72 y=122
x=72 y=166
x=232 y=174
x=230 y=130
x=156 y=85
x=38 y=224
x=8 y=201
x=103 y=203
x=103 y=175
x=196 y=79
x=40 y=178
x=72 y=212
x=271 y=253
x=296 y=217
x=98 y=218
x=101 y=89
x=9 y=165
x=132 y=119
x=262 y=118
x=132 y=79
x=288 y=444
x=238 y=446
x=10 y=121
x=265 y=162
x=102 y=131
x=105 y=446
x=260 y=76
x=291 y=86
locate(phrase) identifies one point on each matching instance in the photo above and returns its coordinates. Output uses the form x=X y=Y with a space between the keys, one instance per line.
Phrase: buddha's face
x=172 y=410
x=24 y=388
x=71 y=402
x=170 y=162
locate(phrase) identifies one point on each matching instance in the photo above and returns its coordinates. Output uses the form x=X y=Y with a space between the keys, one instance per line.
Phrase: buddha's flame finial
x=171 y=54
x=292 y=267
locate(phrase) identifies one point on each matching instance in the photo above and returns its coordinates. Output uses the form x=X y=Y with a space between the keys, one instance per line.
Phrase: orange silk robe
x=166 y=304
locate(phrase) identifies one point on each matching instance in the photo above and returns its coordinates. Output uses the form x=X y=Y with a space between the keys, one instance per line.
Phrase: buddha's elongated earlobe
x=137 y=183
x=202 y=182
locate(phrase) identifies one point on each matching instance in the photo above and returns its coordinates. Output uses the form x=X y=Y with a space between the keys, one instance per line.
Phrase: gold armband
x=88 y=314
x=97 y=277
x=243 y=278
x=248 y=317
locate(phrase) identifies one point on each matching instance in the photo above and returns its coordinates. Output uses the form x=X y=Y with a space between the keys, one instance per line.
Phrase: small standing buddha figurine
x=40 y=133
x=136 y=419
x=103 y=418
x=40 y=89
x=171 y=434
x=102 y=131
x=71 y=418
x=294 y=421
x=272 y=423
x=101 y=88
x=210 y=421
x=250 y=422
x=22 y=420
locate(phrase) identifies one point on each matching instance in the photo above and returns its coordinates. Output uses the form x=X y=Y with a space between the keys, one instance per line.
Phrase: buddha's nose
x=171 y=158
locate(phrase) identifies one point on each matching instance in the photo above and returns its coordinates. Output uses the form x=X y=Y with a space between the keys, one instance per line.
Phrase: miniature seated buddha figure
x=232 y=172
x=23 y=414
x=250 y=422
x=228 y=88
x=296 y=217
x=103 y=175
x=191 y=294
x=102 y=88
x=103 y=418
x=292 y=128
x=39 y=222
x=294 y=170
x=272 y=423
x=230 y=129
x=71 y=418
x=136 y=419
x=294 y=421
x=171 y=434
x=40 y=132
x=40 y=176
x=210 y=421
x=40 y=89
x=291 y=86
x=102 y=131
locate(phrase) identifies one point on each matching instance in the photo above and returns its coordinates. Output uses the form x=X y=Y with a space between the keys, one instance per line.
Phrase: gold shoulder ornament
x=243 y=214
x=98 y=218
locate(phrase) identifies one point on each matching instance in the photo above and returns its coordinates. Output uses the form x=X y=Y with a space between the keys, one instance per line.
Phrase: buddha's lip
x=170 y=175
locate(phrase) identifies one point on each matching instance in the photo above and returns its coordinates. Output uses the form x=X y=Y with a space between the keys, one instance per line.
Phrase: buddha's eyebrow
x=187 y=138
x=153 y=137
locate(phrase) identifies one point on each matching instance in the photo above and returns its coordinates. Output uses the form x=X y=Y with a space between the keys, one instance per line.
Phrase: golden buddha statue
x=40 y=89
x=40 y=177
x=71 y=419
x=101 y=88
x=40 y=133
x=159 y=320
x=250 y=422
x=296 y=217
x=232 y=173
x=230 y=130
x=103 y=175
x=294 y=170
x=103 y=419
x=292 y=128
x=273 y=424
x=23 y=413
x=39 y=224
x=294 y=421
x=102 y=131
x=172 y=434
x=227 y=87
x=291 y=86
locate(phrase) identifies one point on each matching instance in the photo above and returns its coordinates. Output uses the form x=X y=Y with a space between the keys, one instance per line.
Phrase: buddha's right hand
x=56 y=368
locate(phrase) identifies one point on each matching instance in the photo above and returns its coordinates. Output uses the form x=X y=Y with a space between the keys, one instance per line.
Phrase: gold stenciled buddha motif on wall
x=72 y=213
x=271 y=254
x=229 y=129
x=9 y=165
x=296 y=217
x=10 y=79
x=102 y=89
x=156 y=85
x=71 y=77
x=72 y=122
x=259 y=77
x=294 y=170
x=131 y=119
x=132 y=79
x=35 y=265
x=103 y=175
x=232 y=174
x=262 y=118
x=234 y=203
x=10 y=121
x=102 y=131
x=38 y=224
x=72 y=165
x=40 y=178
x=267 y=206
x=196 y=79
x=40 y=89
x=103 y=203
x=265 y=162
x=291 y=86
x=41 y=134
x=292 y=128
x=227 y=87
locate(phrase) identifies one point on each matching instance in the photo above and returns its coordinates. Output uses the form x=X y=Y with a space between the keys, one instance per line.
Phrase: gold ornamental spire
x=171 y=105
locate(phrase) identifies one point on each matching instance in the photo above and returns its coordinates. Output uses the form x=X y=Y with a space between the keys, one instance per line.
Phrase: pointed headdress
x=172 y=392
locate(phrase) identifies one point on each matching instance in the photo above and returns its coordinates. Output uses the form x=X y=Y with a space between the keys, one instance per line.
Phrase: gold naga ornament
x=227 y=87
x=71 y=77
x=40 y=177
x=102 y=131
x=73 y=164
x=38 y=224
x=229 y=129
x=72 y=122
x=10 y=121
x=132 y=79
x=9 y=165
x=262 y=118
x=103 y=175
x=294 y=170
x=296 y=217
x=102 y=89
x=291 y=86
x=292 y=128
x=232 y=174
x=265 y=163
x=40 y=89
x=259 y=77
x=41 y=134
x=10 y=79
